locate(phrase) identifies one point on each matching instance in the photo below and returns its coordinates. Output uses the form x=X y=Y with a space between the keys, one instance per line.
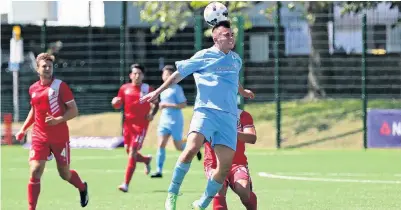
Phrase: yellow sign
x=17 y=32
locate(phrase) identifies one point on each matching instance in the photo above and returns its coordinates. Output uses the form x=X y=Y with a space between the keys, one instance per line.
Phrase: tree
x=174 y=16
x=169 y=17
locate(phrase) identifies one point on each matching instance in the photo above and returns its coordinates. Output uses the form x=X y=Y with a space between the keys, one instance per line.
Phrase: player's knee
x=36 y=169
x=224 y=168
x=244 y=195
x=242 y=190
x=189 y=153
x=64 y=174
x=36 y=172
x=132 y=153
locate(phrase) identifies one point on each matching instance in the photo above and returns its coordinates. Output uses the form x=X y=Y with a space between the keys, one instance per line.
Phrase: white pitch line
x=334 y=174
x=93 y=170
x=315 y=179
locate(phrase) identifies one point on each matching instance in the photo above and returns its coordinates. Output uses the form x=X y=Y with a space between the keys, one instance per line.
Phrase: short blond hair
x=45 y=57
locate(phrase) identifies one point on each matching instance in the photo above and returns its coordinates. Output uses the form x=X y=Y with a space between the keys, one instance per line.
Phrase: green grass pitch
x=298 y=179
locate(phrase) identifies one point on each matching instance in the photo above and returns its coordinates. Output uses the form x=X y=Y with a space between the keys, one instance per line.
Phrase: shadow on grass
x=317 y=141
x=181 y=191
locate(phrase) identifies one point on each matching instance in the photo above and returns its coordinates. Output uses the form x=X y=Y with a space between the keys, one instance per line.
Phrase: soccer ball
x=214 y=13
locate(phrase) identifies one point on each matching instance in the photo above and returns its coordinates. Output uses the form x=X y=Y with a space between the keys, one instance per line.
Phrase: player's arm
x=180 y=100
x=70 y=113
x=154 y=107
x=117 y=101
x=175 y=78
x=245 y=92
x=184 y=68
x=30 y=119
x=175 y=106
x=71 y=109
x=248 y=135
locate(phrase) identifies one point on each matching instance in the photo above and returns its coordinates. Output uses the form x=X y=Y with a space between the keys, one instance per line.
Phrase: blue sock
x=183 y=145
x=212 y=188
x=178 y=176
x=160 y=158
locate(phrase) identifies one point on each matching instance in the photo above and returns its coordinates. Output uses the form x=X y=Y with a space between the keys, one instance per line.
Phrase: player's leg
x=130 y=169
x=139 y=137
x=37 y=162
x=61 y=153
x=225 y=143
x=163 y=137
x=242 y=186
x=180 y=143
x=194 y=143
x=224 y=156
x=219 y=200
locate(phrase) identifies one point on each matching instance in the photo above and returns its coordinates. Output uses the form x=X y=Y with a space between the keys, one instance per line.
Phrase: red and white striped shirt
x=50 y=99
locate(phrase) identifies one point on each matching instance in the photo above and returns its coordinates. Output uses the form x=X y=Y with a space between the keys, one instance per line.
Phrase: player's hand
x=116 y=102
x=150 y=97
x=150 y=117
x=248 y=94
x=20 y=135
x=50 y=120
x=162 y=105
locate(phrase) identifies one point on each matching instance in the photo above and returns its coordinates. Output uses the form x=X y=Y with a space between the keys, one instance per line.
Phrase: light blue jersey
x=171 y=119
x=216 y=77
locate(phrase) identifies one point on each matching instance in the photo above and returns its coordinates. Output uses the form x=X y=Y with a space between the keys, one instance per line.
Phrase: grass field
x=321 y=124
x=298 y=179
x=331 y=123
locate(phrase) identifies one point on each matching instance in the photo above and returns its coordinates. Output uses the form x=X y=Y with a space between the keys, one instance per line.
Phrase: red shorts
x=41 y=150
x=134 y=136
x=237 y=172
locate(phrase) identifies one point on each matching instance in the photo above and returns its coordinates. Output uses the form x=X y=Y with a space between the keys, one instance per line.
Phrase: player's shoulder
x=177 y=87
x=60 y=82
x=125 y=86
x=200 y=54
x=244 y=115
x=145 y=87
x=34 y=85
x=236 y=56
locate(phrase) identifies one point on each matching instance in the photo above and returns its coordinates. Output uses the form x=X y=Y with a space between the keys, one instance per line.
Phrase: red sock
x=33 y=193
x=219 y=203
x=76 y=181
x=142 y=159
x=254 y=201
x=130 y=170
x=250 y=204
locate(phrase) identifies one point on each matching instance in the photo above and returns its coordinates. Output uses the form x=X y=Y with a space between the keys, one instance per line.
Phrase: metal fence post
x=277 y=74
x=363 y=78
x=43 y=36
x=198 y=32
x=122 y=51
x=239 y=48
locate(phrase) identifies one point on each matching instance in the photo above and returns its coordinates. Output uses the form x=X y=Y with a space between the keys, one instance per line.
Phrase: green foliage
x=166 y=18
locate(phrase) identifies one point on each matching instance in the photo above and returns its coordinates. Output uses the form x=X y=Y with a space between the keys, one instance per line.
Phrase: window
x=259 y=48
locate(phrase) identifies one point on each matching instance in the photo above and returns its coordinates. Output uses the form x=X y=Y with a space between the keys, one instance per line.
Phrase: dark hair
x=224 y=23
x=169 y=68
x=138 y=66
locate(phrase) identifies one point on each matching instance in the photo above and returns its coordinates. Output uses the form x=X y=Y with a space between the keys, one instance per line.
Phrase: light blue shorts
x=217 y=126
x=175 y=130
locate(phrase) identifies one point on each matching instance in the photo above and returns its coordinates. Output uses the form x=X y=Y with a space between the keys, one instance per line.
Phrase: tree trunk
x=319 y=55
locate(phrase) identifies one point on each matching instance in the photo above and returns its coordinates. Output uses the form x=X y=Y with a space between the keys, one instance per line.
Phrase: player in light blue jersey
x=171 y=123
x=216 y=72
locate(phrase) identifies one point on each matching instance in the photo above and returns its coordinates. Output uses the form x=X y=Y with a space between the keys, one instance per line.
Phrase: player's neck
x=225 y=51
x=136 y=84
x=45 y=81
